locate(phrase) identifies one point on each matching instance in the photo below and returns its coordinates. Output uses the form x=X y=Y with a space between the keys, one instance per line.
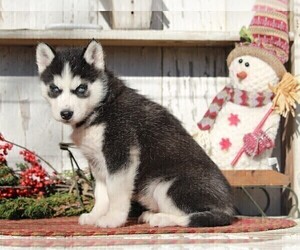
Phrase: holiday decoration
x=56 y=205
x=29 y=191
x=239 y=129
x=7 y=176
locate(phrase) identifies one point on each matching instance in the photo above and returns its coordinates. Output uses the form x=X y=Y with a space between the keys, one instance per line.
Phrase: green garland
x=57 y=205
x=7 y=176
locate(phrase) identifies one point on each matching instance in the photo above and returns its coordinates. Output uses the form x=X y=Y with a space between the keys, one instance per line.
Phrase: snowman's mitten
x=202 y=137
x=257 y=142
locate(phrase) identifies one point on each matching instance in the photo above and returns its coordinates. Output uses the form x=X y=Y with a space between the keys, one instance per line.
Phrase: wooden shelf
x=238 y=178
x=118 y=37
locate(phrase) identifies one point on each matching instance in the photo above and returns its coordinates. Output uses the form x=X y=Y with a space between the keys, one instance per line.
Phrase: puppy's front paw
x=87 y=219
x=112 y=220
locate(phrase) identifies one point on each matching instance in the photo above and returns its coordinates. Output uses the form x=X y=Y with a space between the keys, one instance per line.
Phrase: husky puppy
x=133 y=145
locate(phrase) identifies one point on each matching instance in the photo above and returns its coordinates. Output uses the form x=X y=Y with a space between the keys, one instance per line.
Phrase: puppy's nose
x=66 y=114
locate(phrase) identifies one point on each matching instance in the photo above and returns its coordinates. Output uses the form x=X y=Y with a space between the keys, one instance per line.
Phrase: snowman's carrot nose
x=241 y=75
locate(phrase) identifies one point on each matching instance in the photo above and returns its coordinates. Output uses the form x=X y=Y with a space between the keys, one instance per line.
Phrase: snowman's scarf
x=237 y=96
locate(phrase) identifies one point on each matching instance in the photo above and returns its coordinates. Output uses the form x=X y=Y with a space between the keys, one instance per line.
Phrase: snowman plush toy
x=230 y=131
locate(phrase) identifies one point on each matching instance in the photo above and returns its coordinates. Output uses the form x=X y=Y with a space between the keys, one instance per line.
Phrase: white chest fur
x=90 y=142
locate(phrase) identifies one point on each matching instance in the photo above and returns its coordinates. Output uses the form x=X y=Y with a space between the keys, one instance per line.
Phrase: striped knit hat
x=270 y=42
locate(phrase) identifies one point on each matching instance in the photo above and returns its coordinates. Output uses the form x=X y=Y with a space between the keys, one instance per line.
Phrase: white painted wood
x=238 y=14
x=81 y=11
x=68 y=7
x=121 y=37
x=8 y=15
x=103 y=13
x=151 y=87
x=177 y=15
x=54 y=12
x=187 y=93
x=36 y=15
x=197 y=15
x=26 y=120
x=143 y=35
x=131 y=14
x=93 y=12
x=295 y=15
x=293 y=157
x=188 y=98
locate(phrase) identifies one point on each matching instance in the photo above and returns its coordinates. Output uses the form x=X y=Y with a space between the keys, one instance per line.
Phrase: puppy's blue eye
x=81 y=89
x=54 y=91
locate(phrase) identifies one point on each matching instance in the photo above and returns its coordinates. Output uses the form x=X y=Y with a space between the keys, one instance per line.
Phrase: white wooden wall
x=196 y=15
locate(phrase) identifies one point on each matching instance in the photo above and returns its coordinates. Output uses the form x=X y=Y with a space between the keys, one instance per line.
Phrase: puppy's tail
x=210 y=219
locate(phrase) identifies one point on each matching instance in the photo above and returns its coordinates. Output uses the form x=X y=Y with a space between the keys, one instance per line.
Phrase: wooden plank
x=238 y=178
x=293 y=142
x=129 y=14
x=93 y=12
x=294 y=15
x=197 y=15
x=27 y=120
x=37 y=16
x=54 y=12
x=189 y=97
x=119 y=38
x=103 y=13
x=8 y=16
x=238 y=10
x=190 y=82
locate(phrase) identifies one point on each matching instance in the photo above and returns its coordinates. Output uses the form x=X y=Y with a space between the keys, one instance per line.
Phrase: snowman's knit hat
x=269 y=28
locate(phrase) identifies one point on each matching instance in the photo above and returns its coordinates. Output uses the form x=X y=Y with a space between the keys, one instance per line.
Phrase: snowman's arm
x=271 y=125
x=265 y=137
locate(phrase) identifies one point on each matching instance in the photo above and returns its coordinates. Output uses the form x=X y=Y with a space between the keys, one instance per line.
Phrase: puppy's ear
x=44 y=56
x=94 y=55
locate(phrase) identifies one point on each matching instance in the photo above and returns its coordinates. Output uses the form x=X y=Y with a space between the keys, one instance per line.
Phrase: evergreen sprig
x=59 y=204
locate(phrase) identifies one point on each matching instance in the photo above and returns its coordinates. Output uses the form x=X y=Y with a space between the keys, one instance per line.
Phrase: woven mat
x=68 y=226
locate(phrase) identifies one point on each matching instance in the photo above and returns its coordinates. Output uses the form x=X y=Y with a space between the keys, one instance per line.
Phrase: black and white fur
x=134 y=146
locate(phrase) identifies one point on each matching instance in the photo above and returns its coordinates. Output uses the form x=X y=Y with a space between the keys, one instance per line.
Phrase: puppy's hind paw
x=87 y=219
x=145 y=217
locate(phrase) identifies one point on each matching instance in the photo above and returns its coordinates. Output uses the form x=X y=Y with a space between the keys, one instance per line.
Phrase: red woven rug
x=68 y=226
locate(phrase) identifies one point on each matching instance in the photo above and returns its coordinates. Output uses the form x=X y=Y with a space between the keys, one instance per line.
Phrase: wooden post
x=293 y=155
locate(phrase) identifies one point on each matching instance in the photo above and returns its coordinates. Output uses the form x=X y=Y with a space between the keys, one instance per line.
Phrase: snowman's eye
x=241 y=60
x=247 y=64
